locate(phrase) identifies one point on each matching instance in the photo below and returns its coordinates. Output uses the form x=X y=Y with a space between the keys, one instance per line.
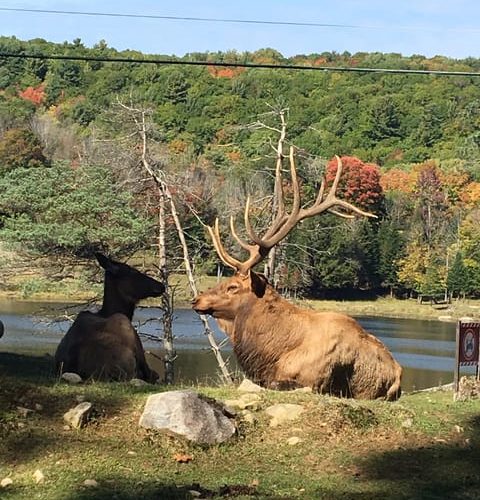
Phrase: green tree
x=457 y=278
x=391 y=247
x=69 y=211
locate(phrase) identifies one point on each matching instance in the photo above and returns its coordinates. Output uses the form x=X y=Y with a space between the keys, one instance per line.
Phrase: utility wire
x=179 y=62
x=237 y=21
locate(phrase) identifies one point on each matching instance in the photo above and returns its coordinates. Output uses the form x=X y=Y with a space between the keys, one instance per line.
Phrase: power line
x=178 y=62
x=237 y=21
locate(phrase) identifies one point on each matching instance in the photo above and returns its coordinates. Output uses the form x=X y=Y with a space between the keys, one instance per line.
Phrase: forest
x=72 y=182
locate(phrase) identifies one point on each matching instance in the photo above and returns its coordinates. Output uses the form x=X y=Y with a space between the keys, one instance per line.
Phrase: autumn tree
x=20 y=148
x=360 y=183
x=432 y=208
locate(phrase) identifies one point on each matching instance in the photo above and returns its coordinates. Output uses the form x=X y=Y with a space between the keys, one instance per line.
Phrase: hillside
x=72 y=182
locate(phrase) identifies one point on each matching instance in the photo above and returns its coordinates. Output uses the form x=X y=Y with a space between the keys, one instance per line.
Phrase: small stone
x=138 y=382
x=38 y=476
x=249 y=386
x=195 y=493
x=6 y=482
x=407 y=423
x=24 y=412
x=77 y=417
x=281 y=413
x=233 y=404
x=131 y=452
x=247 y=417
x=90 y=483
x=458 y=429
x=293 y=440
x=303 y=389
x=71 y=378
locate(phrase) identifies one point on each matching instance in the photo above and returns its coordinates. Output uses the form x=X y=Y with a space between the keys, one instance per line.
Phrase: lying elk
x=280 y=345
x=105 y=345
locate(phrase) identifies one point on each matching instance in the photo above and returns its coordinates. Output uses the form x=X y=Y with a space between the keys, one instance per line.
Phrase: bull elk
x=280 y=345
x=105 y=345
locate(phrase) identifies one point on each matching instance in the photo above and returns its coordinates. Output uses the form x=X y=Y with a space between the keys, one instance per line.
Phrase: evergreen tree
x=457 y=278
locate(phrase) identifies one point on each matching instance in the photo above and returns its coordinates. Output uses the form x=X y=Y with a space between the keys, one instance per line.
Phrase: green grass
x=349 y=449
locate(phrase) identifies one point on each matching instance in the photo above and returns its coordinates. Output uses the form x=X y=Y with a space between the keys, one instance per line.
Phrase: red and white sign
x=468 y=341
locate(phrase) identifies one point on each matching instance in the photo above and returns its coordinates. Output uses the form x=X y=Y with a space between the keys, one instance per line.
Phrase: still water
x=425 y=349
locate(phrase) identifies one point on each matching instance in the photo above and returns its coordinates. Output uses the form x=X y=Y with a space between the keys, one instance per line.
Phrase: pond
x=425 y=349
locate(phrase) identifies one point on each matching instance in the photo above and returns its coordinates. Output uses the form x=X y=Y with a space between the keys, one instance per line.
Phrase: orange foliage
x=34 y=94
x=470 y=194
x=319 y=61
x=398 y=180
x=234 y=156
x=178 y=146
x=224 y=72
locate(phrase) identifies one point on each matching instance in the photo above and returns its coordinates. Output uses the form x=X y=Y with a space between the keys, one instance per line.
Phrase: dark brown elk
x=281 y=345
x=105 y=345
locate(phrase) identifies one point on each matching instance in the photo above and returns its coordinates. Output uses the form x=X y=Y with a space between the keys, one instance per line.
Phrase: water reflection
x=426 y=349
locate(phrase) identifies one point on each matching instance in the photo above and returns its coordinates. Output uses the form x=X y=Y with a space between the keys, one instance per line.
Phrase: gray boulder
x=187 y=414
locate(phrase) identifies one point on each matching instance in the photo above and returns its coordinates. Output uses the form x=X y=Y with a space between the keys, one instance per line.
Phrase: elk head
x=130 y=284
x=224 y=300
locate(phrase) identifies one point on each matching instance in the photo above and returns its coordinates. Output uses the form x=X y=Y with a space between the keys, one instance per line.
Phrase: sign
x=469 y=335
x=467 y=349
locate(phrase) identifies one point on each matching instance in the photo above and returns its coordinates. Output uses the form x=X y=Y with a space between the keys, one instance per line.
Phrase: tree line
x=71 y=185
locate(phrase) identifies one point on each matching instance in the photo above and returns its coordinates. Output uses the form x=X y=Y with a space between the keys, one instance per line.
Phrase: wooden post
x=456 y=373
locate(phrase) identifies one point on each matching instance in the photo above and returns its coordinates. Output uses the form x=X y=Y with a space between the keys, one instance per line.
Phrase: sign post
x=467 y=349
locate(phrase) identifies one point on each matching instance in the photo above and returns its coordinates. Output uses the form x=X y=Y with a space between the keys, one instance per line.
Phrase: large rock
x=187 y=414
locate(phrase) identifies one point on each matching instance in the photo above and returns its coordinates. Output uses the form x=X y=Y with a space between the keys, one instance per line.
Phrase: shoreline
x=381 y=307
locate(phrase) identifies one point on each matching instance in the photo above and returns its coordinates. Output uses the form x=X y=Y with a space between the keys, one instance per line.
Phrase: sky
x=426 y=27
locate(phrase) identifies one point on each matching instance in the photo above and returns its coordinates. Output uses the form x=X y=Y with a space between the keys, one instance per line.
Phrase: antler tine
x=284 y=223
x=341 y=214
x=220 y=249
x=248 y=226
x=239 y=240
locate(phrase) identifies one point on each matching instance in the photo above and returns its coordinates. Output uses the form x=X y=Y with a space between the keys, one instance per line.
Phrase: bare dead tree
x=140 y=118
x=270 y=267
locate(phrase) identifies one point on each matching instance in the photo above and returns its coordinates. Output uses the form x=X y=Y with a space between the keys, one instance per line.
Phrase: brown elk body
x=105 y=345
x=281 y=345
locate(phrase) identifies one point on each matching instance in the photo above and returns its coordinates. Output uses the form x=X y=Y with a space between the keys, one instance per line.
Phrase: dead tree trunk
x=139 y=117
x=167 y=297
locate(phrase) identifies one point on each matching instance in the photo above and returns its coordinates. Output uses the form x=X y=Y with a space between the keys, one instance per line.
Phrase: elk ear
x=258 y=283
x=106 y=263
x=103 y=260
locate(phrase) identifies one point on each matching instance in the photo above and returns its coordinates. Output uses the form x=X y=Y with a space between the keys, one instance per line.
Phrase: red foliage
x=359 y=183
x=34 y=94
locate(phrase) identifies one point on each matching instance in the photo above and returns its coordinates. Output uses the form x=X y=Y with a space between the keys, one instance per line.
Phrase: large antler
x=283 y=223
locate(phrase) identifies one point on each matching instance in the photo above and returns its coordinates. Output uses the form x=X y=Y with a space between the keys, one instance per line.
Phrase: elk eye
x=232 y=288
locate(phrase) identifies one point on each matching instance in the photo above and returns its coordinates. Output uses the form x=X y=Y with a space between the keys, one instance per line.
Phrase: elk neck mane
x=264 y=328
